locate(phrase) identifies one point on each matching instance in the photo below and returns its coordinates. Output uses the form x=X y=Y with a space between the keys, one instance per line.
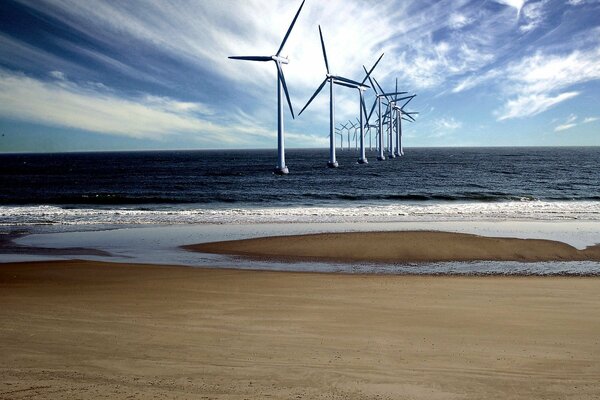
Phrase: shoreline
x=81 y=329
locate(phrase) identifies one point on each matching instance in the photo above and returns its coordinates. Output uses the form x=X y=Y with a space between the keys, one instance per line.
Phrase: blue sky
x=108 y=75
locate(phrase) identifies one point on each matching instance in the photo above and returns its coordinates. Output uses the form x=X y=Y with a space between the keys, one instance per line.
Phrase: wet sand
x=79 y=329
x=398 y=247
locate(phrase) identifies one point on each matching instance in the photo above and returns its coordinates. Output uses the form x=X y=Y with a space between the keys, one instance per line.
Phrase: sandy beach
x=75 y=329
x=398 y=247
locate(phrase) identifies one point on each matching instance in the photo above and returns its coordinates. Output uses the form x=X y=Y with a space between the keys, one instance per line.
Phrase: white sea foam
x=426 y=211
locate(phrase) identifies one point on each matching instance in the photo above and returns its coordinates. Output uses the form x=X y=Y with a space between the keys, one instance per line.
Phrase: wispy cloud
x=572 y=121
x=540 y=81
x=531 y=104
x=533 y=15
x=67 y=104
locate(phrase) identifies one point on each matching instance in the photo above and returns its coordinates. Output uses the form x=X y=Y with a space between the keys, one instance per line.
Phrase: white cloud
x=590 y=119
x=531 y=104
x=533 y=14
x=444 y=126
x=66 y=104
x=540 y=81
x=564 y=127
x=458 y=20
x=516 y=4
x=58 y=75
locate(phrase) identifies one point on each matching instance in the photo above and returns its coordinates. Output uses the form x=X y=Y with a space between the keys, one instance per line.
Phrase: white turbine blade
x=314 y=95
x=251 y=58
x=290 y=28
x=324 y=52
x=373 y=67
x=285 y=89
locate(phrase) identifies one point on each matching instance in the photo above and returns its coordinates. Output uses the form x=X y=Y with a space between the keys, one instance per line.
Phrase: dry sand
x=73 y=330
x=404 y=246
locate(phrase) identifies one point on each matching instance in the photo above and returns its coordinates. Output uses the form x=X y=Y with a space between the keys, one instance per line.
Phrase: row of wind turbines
x=391 y=116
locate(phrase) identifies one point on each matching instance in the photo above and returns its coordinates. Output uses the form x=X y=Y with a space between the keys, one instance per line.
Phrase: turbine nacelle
x=281 y=60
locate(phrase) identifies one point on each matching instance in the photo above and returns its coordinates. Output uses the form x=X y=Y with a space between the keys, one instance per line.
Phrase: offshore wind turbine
x=363 y=109
x=281 y=168
x=333 y=80
x=400 y=115
x=381 y=120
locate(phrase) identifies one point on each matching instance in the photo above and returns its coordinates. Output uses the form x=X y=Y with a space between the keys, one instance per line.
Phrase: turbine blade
x=396 y=91
x=409 y=100
x=290 y=28
x=323 y=47
x=370 y=80
x=373 y=67
x=314 y=95
x=344 y=84
x=285 y=89
x=341 y=78
x=379 y=86
x=371 y=112
x=251 y=58
x=364 y=107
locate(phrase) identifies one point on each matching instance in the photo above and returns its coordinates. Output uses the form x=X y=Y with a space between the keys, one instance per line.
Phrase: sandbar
x=400 y=246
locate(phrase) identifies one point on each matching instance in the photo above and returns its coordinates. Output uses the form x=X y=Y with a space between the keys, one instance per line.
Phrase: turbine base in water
x=362 y=161
x=281 y=171
x=332 y=164
x=391 y=156
x=380 y=158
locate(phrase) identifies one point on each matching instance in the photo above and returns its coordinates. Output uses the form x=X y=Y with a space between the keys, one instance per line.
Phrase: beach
x=82 y=329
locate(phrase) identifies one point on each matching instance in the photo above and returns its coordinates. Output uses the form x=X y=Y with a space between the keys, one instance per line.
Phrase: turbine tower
x=379 y=95
x=332 y=79
x=281 y=168
x=363 y=111
x=399 y=116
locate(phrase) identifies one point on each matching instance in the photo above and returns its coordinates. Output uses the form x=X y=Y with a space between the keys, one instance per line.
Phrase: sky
x=83 y=75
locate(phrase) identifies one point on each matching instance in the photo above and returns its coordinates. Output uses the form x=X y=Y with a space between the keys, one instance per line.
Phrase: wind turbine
x=381 y=120
x=332 y=79
x=400 y=115
x=362 y=108
x=281 y=168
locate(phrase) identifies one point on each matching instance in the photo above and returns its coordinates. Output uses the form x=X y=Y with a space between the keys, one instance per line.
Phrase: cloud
x=540 y=81
x=458 y=20
x=533 y=14
x=531 y=104
x=564 y=127
x=516 y=4
x=67 y=104
x=570 y=122
x=444 y=126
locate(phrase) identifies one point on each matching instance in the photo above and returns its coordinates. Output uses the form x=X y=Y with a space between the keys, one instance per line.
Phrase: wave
x=348 y=212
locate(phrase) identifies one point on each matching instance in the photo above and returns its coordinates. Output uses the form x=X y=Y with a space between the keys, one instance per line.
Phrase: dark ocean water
x=497 y=181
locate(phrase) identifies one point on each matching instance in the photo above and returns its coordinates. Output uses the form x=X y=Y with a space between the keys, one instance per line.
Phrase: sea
x=162 y=199
x=238 y=186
